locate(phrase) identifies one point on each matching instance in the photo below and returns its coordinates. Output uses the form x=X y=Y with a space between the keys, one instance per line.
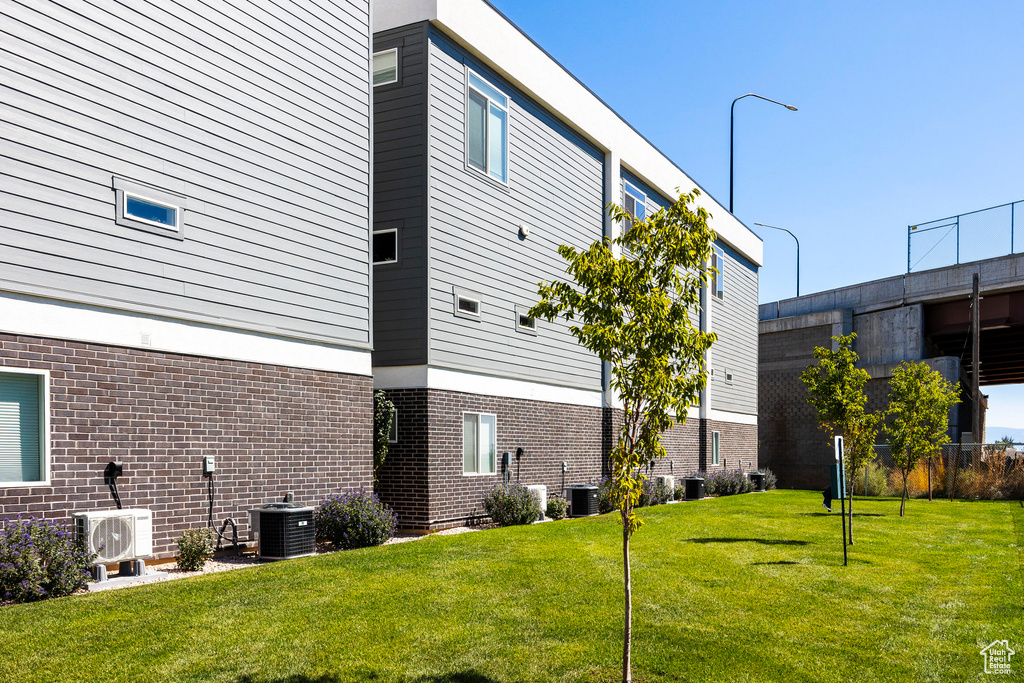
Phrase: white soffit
x=489 y=36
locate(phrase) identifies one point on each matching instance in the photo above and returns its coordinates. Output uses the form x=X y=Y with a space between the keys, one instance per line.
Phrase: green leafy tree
x=918 y=417
x=631 y=298
x=383 y=419
x=835 y=389
x=1003 y=444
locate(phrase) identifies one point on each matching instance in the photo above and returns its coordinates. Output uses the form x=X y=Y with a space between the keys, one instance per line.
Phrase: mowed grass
x=743 y=588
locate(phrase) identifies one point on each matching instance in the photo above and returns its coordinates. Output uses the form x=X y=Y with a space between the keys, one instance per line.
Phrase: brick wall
x=272 y=429
x=403 y=477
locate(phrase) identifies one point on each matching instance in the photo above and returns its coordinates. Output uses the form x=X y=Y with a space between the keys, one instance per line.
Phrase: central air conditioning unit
x=284 y=531
x=115 y=535
x=666 y=480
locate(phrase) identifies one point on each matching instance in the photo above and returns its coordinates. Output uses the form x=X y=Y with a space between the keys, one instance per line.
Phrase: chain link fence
x=965 y=471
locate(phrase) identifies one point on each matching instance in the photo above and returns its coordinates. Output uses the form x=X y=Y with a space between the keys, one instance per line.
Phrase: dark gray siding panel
x=400 y=201
x=256 y=114
x=734 y=319
x=555 y=187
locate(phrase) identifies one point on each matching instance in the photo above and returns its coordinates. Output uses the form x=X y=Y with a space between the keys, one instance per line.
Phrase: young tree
x=633 y=311
x=835 y=388
x=918 y=412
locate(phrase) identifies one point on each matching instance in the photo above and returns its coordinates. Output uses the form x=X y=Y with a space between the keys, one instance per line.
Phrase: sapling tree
x=917 y=417
x=630 y=302
x=835 y=389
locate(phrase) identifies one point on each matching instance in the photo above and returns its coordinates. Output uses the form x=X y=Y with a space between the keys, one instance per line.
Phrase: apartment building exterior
x=488 y=155
x=184 y=256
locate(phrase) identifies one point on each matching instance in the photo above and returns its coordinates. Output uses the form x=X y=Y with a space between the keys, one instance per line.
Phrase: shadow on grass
x=454 y=677
x=762 y=541
x=295 y=678
x=836 y=512
x=776 y=562
x=457 y=677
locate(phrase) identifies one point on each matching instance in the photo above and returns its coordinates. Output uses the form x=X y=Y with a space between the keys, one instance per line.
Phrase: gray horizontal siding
x=555 y=187
x=734 y=319
x=256 y=114
x=400 y=201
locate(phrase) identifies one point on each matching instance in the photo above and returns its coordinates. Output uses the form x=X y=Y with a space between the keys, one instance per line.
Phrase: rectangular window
x=728 y=377
x=393 y=434
x=716 y=439
x=635 y=202
x=385 y=246
x=385 y=67
x=718 y=276
x=479 y=443
x=486 y=128
x=525 y=322
x=24 y=428
x=147 y=208
x=467 y=304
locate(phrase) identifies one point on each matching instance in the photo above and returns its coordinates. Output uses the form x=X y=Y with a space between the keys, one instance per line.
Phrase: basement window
x=467 y=304
x=525 y=322
x=147 y=208
x=385 y=67
x=385 y=246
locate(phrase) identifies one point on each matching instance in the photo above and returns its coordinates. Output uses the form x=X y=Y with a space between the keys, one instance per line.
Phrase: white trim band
x=79 y=322
x=426 y=377
x=735 y=418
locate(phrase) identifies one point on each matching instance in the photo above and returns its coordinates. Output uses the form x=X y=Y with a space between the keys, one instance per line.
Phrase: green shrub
x=558 y=508
x=357 y=519
x=680 y=492
x=40 y=559
x=653 y=492
x=195 y=547
x=877 y=478
x=604 y=497
x=770 y=480
x=512 y=504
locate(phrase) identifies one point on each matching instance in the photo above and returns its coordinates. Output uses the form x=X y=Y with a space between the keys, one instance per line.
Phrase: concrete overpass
x=917 y=316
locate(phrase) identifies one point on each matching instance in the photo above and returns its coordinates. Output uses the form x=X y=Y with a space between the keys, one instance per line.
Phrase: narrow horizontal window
x=469 y=306
x=385 y=246
x=635 y=202
x=385 y=67
x=466 y=304
x=147 y=208
x=525 y=322
x=151 y=211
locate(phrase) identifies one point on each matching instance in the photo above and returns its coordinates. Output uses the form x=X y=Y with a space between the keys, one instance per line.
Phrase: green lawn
x=744 y=588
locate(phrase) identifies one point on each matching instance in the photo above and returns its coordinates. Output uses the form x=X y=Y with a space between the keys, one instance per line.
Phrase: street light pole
x=732 y=111
x=775 y=227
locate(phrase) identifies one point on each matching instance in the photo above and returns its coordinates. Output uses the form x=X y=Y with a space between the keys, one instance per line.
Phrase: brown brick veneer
x=271 y=428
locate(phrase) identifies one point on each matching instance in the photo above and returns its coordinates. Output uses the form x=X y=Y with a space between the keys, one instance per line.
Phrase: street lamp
x=732 y=110
x=773 y=227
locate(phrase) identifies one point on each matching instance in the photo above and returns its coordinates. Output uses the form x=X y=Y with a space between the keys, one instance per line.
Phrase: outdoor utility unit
x=757 y=479
x=116 y=535
x=667 y=481
x=284 y=530
x=540 y=492
x=582 y=500
x=694 y=488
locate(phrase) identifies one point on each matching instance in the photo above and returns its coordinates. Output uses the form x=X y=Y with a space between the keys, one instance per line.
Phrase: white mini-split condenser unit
x=116 y=535
x=666 y=480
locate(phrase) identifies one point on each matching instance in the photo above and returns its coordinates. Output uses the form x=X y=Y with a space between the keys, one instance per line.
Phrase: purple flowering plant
x=355 y=519
x=39 y=559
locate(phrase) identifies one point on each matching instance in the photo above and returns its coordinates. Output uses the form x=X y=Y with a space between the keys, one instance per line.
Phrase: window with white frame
x=635 y=201
x=467 y=304
x=716 y=444
x=385 y=246
x=479 y=443
x=486 y=128
x=525 y=322
x=718 y=276
x=24 y=427
x=393 y=434
x=148 y=208
x=385 y=67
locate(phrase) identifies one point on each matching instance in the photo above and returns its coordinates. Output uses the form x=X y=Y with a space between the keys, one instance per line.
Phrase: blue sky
x=908 y=111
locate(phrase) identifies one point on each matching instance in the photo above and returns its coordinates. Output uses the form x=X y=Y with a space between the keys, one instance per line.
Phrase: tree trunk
x=903 y=501
x=627 y=670
x=929 y=480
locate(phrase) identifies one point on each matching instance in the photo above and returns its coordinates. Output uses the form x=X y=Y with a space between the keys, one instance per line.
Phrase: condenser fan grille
x=111 y=539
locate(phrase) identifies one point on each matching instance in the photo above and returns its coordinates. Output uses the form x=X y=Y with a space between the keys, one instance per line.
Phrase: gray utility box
x=757 y=479
x=284 y=531
x=582 y=500
x=694 y=488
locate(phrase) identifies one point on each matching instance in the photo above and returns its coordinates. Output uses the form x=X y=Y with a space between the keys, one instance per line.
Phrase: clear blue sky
x=908 y=111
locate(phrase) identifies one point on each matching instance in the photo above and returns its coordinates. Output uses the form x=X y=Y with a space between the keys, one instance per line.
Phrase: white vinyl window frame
x=479 y=444
x=716 y=448
x=388 y=231
x=496 y=112
x=718 y=277
x=388 y=62
x=461 y=297
x=639 y=200
x=129 y=189
x=525 y=323
x=43 y=377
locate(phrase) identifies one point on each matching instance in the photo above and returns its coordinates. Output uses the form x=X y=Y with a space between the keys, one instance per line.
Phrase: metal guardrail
x=970 y=236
